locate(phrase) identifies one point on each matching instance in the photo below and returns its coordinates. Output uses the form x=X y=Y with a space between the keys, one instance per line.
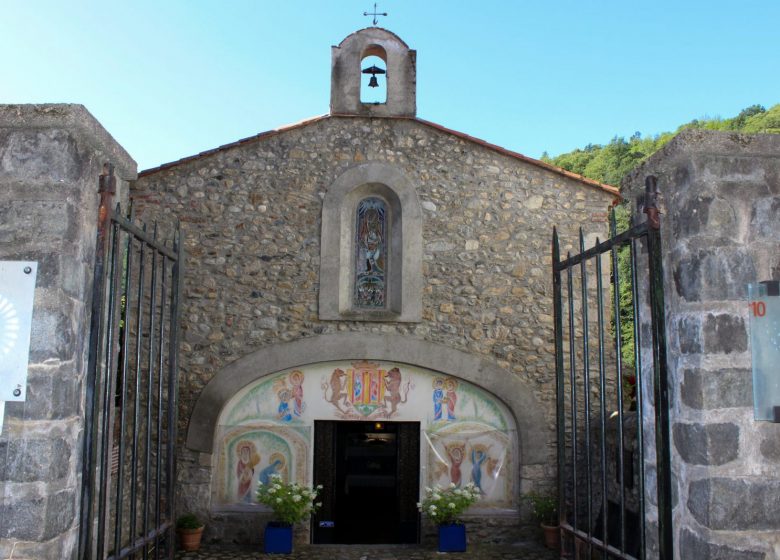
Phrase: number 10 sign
x=764 y=313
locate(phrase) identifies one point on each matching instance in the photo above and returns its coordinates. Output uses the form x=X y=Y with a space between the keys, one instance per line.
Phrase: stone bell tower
x=347 y=71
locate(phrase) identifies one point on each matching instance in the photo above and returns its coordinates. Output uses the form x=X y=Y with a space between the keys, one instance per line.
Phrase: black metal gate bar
x=640 y=408
x=160 y=386
x=619 y=368
x=149 y=385
x=613 y=540
x=660 y=377
x=138 y=391
x=602 y=403
x=123 y=412
x=559 y=379
x=586 y=380
x=106 y=190
x=573 y=386
x=114 y=357
x=107 y=370
x=177 y=285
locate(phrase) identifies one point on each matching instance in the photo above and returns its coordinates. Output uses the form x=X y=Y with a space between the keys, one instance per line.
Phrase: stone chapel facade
x=367 y=284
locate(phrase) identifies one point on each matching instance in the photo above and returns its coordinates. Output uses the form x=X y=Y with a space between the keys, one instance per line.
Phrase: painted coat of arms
x=366 y=391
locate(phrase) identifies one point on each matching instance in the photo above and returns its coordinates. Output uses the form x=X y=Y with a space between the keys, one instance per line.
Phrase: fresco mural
x=250 y=455
x=267 y=427
x=472 y=452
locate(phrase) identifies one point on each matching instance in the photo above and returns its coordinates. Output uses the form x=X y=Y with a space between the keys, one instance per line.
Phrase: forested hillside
x=610 y=163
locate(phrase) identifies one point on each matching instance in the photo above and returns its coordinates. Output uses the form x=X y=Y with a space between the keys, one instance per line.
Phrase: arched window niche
x=352 y=202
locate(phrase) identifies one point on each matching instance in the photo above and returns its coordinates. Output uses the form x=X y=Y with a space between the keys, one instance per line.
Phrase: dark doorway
x=370 y=473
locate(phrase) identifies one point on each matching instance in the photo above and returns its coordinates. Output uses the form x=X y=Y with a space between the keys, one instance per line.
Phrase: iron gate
x=611 y=395
x=130 y=431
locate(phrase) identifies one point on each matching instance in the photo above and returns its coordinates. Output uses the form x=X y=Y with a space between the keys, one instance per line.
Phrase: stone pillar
x=50 y=159
x=720 y=204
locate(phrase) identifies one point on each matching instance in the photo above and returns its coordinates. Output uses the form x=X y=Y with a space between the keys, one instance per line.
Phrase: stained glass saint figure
x=371 y=254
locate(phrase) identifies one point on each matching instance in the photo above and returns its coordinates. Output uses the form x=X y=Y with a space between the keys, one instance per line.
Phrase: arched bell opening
x=374 y=78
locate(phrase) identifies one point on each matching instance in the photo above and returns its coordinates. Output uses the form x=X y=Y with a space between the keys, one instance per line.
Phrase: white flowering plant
x=445 y=505
x=291 y=502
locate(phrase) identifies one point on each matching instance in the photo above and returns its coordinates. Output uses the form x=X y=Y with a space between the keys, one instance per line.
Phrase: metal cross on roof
x=375 y=14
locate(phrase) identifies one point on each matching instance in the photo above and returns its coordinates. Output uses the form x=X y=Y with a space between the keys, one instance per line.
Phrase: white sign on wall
x=17 y=291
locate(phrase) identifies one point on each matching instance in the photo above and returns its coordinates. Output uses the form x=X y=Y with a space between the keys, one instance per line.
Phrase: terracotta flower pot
x=190 y=538
x=552 y=536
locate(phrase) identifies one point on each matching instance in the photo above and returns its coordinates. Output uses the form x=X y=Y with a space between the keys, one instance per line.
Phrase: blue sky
x=171 y=78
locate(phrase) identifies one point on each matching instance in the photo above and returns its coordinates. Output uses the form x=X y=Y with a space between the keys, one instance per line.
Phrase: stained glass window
x=371 y=254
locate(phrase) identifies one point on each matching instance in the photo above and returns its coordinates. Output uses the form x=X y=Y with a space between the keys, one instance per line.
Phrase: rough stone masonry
x=720 y=230
x=251 y=216
x=50 y=158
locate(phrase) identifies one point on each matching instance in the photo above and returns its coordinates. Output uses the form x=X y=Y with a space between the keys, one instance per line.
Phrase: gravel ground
x=523 y=551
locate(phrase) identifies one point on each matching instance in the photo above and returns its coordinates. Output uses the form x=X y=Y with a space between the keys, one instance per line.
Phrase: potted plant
x=190 y=530
x=545 y=510
x=291 y=503
x=444 y=506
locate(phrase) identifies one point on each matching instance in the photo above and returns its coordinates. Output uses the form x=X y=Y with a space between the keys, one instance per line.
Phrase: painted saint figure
x=283 y=413
x=296 y=380
x=276 y=465
x=450 y=386
x=455 y=452
x=438 y=398
x=371 y=252
x=493 y=467
x=245 y=469
x=478 y=456
x=371 y=238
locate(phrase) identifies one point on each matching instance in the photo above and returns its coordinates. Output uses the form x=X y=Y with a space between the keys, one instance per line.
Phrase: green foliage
x=544 y=508
x=625 y=299
x=188 y=521
x=610 y=163
x=445 y=505
x=291 y=503
x=767 y=122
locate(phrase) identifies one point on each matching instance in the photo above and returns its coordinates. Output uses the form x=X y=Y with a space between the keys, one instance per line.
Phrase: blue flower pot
x=452 y=538
x=277 y=538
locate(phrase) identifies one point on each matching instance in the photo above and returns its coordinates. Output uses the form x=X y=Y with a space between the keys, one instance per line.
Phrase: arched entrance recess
x=533 y=433
x=395 y=390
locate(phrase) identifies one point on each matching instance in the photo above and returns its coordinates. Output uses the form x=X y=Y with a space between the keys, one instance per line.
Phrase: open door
x=370 y=473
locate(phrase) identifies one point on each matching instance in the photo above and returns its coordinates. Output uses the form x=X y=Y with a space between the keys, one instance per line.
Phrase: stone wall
x=50 y=159
x=720 y=229
x=251 y=216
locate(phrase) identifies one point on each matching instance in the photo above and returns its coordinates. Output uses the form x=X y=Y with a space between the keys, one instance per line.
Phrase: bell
x=373 y=82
